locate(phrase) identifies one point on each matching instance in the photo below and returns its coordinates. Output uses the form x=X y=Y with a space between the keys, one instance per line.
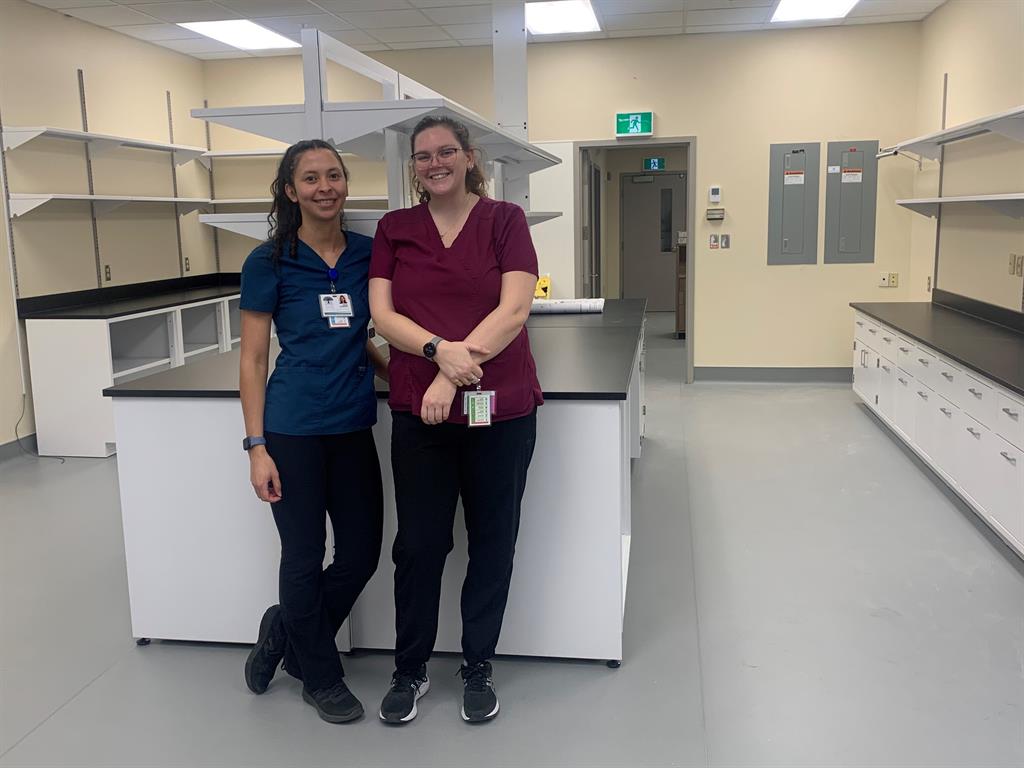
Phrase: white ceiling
x=381 y=25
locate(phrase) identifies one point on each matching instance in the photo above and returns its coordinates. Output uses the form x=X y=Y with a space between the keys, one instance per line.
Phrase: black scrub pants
x=339 y=475
x=432 y=466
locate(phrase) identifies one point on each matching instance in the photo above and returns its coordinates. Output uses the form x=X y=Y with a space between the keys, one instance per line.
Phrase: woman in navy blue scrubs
x=308 y=430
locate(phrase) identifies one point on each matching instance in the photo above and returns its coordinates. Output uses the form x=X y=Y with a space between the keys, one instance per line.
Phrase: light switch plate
x=1020 y=265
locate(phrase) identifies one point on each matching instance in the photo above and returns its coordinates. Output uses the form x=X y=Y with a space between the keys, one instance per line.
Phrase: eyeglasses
x=445 y=155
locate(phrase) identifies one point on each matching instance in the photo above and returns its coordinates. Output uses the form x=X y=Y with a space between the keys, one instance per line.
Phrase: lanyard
x=332 y=275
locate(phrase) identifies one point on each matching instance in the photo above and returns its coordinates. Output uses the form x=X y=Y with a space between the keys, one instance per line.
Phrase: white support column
x=314 y=83
x=508 y=44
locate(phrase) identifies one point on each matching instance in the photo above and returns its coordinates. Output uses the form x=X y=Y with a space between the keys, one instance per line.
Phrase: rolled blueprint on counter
x=566 y=306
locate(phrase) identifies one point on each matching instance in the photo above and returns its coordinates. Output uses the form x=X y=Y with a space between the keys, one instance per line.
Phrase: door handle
x=1012 y=414
x=946 y=411
x=872 y=330
x=974 y=392
x=887 y=339
x=860 y=323
x=1009 y=458
x=904 y=350
x=886 y=369
x=922 y=395
x=975 y=433
x=902 y=381
x=922 y=361
x=947 y=376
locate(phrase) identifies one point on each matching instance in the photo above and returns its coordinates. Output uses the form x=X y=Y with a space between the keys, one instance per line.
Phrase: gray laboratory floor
x=801 y=593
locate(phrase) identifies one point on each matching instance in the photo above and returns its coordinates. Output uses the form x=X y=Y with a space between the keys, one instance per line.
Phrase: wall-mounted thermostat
x=715 y=193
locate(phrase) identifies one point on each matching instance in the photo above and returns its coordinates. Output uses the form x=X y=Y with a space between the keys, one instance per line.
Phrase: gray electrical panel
x=851 y=192
x=793 y=203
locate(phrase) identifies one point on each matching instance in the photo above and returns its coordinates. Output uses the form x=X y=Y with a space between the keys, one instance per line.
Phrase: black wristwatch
x=430 y=348
x=250 y=442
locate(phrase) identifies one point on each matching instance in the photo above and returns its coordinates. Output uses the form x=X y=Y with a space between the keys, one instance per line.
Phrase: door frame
x=691 y=216
x=622 y=193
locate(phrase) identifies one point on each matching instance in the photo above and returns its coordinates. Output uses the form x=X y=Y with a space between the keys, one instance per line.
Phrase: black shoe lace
x=403 y=680
x=335 y=693
x=477 y=677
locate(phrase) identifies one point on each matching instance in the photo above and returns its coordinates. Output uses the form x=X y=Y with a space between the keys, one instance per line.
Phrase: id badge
x=478 y=407
x=335 y=305
x=338 y=322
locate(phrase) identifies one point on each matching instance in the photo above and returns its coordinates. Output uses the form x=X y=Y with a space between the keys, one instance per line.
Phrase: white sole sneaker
x=420 y=693
x=490 y=715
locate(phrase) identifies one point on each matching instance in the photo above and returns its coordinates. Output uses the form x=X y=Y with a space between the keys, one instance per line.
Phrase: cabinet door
x=886 y=389
x=949 y=380
x=1010 y=419
x=973 y=446
x=904 y=397
x=924 y=419
x=946 y=416
x=861 y=376
x=1007 y=491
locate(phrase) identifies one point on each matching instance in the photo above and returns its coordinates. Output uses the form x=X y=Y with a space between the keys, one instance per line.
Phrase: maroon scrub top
x=448 y=291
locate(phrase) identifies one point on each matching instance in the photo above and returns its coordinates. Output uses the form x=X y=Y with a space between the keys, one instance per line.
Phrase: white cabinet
x=967 y=428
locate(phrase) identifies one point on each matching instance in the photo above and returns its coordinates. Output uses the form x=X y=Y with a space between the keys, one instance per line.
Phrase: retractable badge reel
x=336 y=307
x=479 y=406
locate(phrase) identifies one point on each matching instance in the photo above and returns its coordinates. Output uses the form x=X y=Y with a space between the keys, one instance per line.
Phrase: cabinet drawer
x=889 y=343
x=866 y=330
x=924 y=367
x=948 y=380
x=1009 y=422
x=973 y=445
x=1006 y=495
x=906 y=354
x=978 y=399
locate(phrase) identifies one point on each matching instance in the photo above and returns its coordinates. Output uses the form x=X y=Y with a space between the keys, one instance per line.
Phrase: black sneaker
x=336 y=704
x=479 y=702
x=399 y=704
x=266 y=655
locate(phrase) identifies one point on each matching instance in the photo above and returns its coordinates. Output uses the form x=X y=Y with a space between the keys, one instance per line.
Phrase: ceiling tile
x=371 y=47
x=410 y=35
x=158 y=32
x=58 y=5
x=199 y=45
x=463 y=14
x=728 y=16
x=483 y=41
x=619 y=7
x=648 y=32
x=441 y=3
x=351 y=37
x=711 y=5
x=272 y=52
x=465 y=31
x=428 y=44
x=222 y=55
x=181 y=12
x=383 y=19
x=918 y=8
x=254 y=9
x=295 y=24
x=567 y=38
x=893 y=19
x=726 y=28
x=643 y=20
x=108 y=15
x=348 y=6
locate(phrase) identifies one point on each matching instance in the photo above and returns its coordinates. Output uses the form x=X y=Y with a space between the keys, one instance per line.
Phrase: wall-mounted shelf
x=98 y=142
x=1009 y=124
x=268 y=200
x=255 y=225
x=22 y=204
x=1008 y=205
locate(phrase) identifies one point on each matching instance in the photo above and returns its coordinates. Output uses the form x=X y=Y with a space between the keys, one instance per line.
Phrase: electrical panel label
x=853 y=175
x=793 y=177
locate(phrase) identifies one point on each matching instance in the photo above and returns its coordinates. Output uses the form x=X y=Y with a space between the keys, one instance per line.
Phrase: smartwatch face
x=429 y=349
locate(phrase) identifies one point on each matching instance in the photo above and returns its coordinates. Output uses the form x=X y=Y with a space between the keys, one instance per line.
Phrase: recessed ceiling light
x=808 y=10
x=241 y=34
x=561 y=17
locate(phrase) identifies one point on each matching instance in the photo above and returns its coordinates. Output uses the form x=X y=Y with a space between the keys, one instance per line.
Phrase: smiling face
x=440 y=162
x=318 y=185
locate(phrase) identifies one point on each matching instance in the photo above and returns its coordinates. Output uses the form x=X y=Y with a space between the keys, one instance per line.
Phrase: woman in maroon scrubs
x=451 y=285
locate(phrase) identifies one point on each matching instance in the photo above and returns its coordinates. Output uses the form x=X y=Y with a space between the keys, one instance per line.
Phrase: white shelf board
x=22 y=204
x=255 y=225
x=1008 y=205
x=358 y=126
x=127 y=366
x=241 y=154
x=16 y=137
x=1009 y=124
x=243 y=201
x=191 y=350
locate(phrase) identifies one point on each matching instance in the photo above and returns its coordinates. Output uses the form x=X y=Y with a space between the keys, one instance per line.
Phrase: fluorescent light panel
x=241 y=33
x=561 y=17
x=808 y=10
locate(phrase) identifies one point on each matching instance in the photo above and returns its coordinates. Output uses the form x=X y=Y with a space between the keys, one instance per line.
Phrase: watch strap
x=253 y=440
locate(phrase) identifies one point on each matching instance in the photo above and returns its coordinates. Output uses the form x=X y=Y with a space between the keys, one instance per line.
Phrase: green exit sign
x=634 y=124
x=654 y=164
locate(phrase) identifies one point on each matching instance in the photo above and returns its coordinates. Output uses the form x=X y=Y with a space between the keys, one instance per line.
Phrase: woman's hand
x=437 y=401
x=455 y=360
x=263 y=475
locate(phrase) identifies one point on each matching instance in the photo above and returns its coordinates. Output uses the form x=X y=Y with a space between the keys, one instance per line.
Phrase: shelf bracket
x=21 y=207
x=15 y=138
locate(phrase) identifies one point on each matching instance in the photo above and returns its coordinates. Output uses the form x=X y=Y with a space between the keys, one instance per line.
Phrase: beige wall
x=126 y=81
x=981 y=47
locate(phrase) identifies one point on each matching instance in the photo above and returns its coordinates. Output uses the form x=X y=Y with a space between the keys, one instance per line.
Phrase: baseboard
x=12 y=449
x=784 y=375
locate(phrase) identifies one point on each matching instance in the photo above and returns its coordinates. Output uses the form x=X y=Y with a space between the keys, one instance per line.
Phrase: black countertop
x=573 y=363
x=136 y=305
x=991 y=350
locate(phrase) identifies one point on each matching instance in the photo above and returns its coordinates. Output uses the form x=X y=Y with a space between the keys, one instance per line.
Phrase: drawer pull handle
x=886 y=369
x=922 y=395
x=946 y=411
x=1009 y=458
x=887 y=339
x=1012 y=414
x=947 y=376
x=872 y=330
x=974 y=432
x=904 y=350
x=974 y=392
x=860 y=323
x=922 y=361
x=902 y=381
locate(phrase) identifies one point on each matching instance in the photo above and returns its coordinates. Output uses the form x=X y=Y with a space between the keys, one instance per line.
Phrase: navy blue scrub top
x=322 y=382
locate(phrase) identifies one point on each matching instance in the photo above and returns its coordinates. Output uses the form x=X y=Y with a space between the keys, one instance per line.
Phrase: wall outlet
x=894 y=279
x=188 y=266
x=1020 y=265
x=106 y=272
x=883 y=280
x=724 y=239
x=1012 y=269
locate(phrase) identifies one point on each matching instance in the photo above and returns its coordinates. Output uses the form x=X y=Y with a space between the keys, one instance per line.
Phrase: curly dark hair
x=476 y=182
x=285 y=217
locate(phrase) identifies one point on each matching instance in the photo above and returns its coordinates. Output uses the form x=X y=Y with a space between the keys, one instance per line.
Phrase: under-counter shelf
x=22 y=204
x=201 y=329
x=1008 y=205
x=16 y=137
x=234 y=320
x=142 y=343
